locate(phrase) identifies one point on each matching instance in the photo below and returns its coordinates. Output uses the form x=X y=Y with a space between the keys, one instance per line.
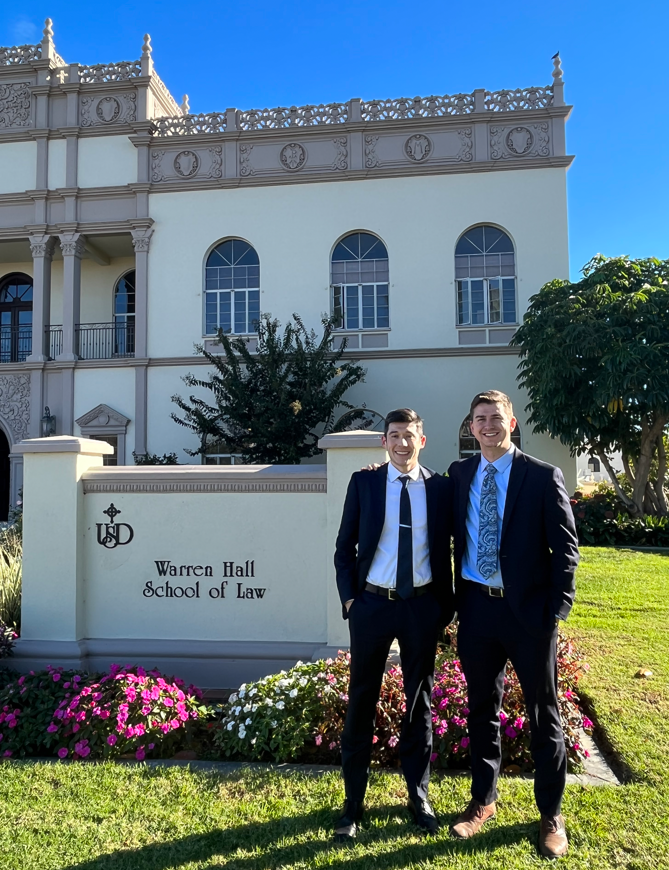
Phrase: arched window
x=359 y=281
x=485 y=272
x=232 y=288
x=16 y=317
x=124 y=315
x=468 y=445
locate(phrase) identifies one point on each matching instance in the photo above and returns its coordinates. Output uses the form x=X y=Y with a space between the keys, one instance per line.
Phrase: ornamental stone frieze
x=525 y=140
x=440 y=147
x=15 y=106
x=186 y=163
x=15 y=404
x=101 y=110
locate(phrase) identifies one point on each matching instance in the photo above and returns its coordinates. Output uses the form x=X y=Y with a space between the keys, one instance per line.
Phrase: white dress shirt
x=470 y=569
x=383 y=570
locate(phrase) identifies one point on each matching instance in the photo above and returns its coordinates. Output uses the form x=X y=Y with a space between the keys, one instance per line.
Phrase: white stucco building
x=131 y=229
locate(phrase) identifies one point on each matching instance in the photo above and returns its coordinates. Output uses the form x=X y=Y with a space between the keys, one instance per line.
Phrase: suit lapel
x=516 y=476
x=468 y=471
x=431 y=505
x=379 y=480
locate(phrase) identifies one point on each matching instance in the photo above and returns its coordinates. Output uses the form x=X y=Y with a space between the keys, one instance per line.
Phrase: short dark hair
x=402 y=415
x=490 y=397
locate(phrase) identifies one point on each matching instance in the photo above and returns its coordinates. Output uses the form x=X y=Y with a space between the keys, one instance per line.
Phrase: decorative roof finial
x=185 y=105
x=557 y=69
x=146 y=48
x=47 y=33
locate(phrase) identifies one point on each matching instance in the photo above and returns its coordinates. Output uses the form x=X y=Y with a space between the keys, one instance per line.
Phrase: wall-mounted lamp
x=48 y=423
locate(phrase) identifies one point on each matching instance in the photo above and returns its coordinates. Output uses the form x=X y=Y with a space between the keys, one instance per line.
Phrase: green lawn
x=100 y=816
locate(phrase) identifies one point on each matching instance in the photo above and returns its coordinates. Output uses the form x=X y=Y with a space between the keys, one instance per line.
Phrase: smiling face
x=492 y=424
x=404 y=441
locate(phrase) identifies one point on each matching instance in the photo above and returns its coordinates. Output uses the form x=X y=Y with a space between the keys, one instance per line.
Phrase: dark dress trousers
x=375 y=621
x=538 y=555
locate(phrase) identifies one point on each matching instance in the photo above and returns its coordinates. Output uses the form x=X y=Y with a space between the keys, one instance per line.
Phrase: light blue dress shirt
x=502 y=465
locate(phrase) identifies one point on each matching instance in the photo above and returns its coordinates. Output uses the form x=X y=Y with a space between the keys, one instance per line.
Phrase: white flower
x=231 y=725
x=247 y=708
x=242 y=687
x=273 y=723
x=241 y=693
x=299 y=664
x=254 y=708
x=232 y=698
x=269 y=702
x=253 y=692
x=293 y=693
x=328 y=689
x=304 y=681
x=254 y=740
x=237 y=711
x=242 y=733
x=280 y=705
x=249 y=721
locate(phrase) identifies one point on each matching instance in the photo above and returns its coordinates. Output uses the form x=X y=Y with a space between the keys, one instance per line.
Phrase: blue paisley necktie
x=486 y=551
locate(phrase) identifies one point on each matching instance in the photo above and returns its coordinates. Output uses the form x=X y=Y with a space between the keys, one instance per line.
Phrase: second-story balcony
x=94 y=341
x=97 y=340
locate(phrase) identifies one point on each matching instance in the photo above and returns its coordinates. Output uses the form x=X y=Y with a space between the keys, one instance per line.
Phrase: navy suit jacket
x=538 y=551
x=362 y=523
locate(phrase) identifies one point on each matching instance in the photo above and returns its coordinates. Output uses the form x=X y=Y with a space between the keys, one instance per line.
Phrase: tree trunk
x=660 y=493
x=650 y=432
x=624 y=498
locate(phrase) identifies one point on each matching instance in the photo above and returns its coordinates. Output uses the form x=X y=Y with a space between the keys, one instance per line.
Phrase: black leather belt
x=392 y=593
x=488 y=591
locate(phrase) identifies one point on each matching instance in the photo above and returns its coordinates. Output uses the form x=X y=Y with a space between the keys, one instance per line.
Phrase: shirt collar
x=394 y=473
x=500 y=464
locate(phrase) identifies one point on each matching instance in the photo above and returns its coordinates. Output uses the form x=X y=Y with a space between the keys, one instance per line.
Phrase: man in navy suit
x=394 y=577
x=516 y=553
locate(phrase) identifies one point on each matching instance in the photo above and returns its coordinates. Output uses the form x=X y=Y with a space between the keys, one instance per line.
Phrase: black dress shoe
x=424 y=815
x=347 y=824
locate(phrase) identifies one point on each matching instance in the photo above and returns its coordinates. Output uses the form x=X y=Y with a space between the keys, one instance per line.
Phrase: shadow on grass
x=271 y=837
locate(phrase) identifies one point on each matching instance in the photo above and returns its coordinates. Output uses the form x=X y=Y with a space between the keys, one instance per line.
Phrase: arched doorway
x=4 y=477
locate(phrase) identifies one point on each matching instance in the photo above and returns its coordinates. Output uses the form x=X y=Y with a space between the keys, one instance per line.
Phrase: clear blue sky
x=257 y=54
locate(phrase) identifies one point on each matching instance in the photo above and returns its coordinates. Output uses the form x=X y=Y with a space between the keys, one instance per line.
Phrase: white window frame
x=234 y=292
x=488 y=282
x=340 y=288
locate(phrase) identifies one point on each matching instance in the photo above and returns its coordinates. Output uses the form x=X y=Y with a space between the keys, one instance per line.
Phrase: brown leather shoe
x=472 y=819
x=553 y=841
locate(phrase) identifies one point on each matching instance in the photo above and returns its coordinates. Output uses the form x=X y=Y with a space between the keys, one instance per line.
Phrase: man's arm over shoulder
x=346 y=547
x=563 y=541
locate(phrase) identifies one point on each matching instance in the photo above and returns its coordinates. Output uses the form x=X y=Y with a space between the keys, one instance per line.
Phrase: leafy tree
x=271 y=406
x=595 y=362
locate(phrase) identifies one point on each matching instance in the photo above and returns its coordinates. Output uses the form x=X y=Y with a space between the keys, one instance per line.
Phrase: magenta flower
x=510 y=732
x=62 y=752
x=464 y=742
x=168 y=702
x=111 y=740
x=140 y=754
x=7 y=753
x=146 y=710
x=392 y=741
x=587 y=723
x=332 y=746
x=52 y=728
x=75 y=728
x=433 y=757
x=175 y=723
x=318 y=739
x=56 y=677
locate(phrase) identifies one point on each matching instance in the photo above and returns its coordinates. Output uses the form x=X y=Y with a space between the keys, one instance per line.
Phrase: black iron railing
x=96 y=340
x=92 y=340
x=16 y=343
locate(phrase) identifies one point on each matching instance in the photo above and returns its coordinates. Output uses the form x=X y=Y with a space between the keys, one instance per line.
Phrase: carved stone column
x=141 y=239
x=72 y=246
x=41 y=248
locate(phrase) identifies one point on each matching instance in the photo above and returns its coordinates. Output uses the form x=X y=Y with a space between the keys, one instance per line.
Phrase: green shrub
x=11 y=556
x=602 y=522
